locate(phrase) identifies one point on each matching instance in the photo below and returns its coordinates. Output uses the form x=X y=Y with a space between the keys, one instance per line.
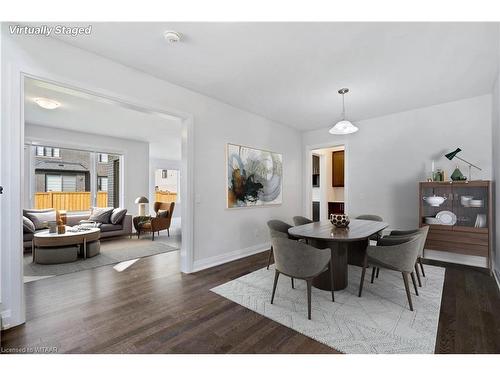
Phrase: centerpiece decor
x=340 y=220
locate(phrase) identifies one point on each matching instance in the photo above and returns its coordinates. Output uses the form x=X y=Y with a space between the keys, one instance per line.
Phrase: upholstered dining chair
x=359 y=257
x=301 y=261
x=398 y=254
x=301 y=220
x=278 y=229
x=374 y=237
x=422 y=232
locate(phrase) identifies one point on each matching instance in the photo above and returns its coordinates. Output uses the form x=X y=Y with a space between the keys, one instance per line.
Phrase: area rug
x=378 y=322
x=112 y=251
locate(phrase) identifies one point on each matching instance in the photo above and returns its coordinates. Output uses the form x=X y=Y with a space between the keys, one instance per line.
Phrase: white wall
x=219 y=234
x=389 y=155
x=135 y=153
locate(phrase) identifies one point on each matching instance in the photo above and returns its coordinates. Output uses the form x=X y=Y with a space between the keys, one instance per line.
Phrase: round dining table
x=347 y=245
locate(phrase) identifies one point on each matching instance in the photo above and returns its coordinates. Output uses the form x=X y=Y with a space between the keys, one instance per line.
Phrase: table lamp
x=141 y=201
x=453 y=154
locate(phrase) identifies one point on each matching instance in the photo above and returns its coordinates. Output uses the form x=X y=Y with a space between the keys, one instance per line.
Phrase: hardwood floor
x=152 y=308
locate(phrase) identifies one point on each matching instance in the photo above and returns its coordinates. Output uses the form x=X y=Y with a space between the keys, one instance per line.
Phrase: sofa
x=123 y=227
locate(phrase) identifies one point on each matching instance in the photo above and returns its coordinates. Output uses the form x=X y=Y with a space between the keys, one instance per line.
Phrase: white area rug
x=378 y=322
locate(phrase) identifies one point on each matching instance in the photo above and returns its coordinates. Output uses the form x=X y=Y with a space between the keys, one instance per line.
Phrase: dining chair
x=362 y=259
x=422 y=232
x=300 y=261
x=398 y=254
x=278 y=229
x=301 y=220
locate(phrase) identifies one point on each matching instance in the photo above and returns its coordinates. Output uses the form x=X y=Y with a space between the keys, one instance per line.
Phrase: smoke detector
x=172 y=36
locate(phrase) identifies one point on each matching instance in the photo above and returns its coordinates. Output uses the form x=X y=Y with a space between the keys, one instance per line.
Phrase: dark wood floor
x=152 y=308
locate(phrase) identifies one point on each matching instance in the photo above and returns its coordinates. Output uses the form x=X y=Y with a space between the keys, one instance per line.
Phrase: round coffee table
x=60 y=242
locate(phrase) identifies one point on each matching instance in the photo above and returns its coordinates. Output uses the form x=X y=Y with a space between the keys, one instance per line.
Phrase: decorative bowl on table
x=340 y=220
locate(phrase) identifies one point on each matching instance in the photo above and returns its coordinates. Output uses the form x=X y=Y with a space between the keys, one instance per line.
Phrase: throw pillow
x=101 y=214
x=162 y=213
x=28 y=226
x=117 y=215
x=40 y=218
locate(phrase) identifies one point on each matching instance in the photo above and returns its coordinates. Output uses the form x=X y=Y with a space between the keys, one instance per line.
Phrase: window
x=53 y=182
x=102 y=183
x=49 y=152
x=73 y=180
x=60 y=182
x=103 y=158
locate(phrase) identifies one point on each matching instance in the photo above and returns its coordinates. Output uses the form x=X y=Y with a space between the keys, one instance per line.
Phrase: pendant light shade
x=343 y=126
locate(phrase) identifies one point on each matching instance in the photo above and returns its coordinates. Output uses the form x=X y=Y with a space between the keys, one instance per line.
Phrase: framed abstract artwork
x=254 y=177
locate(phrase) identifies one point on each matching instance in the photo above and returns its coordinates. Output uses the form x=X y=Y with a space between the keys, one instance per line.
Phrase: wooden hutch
x=469 y=235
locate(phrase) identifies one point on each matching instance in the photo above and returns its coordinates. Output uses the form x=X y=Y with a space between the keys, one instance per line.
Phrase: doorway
x=327 y=182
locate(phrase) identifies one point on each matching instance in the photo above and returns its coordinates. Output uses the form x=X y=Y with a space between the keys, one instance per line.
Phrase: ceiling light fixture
x=172 y=36
x=47 y=103
x=343 y=126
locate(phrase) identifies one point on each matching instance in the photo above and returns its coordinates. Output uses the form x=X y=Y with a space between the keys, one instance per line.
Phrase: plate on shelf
x=446 y=218
x=480 y=221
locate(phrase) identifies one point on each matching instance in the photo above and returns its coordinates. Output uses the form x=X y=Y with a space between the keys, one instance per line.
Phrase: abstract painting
x=254 y=177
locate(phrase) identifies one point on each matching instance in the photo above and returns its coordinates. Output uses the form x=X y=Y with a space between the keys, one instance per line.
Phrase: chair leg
x=378 y=270
x=309 y=285
x=168 y=232
x=276 y=275
x=153 y=236
x=418 y=275
x=331 y=279
x=407 y=287
x=414 y=283
x=362 y=280
x=293 y=285
x=269 y=258
x=421 y=266
x=373 y=274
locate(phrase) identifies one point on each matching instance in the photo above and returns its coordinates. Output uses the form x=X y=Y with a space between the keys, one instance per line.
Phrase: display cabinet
x=460 y=215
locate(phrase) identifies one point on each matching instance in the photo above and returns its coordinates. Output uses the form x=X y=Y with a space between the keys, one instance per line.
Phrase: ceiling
x=290 y=72
x=82 y=112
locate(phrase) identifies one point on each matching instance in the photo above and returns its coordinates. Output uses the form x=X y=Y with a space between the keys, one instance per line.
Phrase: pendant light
x=343 y=126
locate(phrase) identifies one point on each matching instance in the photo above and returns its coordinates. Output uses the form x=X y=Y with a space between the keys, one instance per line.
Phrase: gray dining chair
x=301 y=220
x=398 y=254
x=278 y=229
x=300 y=261
x=375 y=237
x=422 y=232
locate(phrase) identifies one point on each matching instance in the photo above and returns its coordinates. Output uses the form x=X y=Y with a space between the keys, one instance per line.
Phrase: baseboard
x=202 y=264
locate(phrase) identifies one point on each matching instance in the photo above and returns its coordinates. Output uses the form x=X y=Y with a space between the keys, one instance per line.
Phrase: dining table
x=348 y=246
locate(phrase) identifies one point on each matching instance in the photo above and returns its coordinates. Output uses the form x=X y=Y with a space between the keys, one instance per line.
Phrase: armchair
x=162 y=221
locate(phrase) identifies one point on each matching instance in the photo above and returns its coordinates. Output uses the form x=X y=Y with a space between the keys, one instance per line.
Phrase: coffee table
x=57 y=243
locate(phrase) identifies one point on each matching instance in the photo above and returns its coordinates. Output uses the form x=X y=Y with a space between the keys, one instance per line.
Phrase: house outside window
x=48 y=152
x=102 y=183
x=103 y=158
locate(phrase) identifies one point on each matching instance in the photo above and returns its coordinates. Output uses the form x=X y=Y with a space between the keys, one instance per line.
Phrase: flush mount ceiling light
x=172 y=36
x=343 y=126
x=47 y=103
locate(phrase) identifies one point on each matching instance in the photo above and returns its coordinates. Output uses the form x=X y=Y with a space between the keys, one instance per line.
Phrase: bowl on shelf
x=431 y=220
x=465 y=200
x=476 y=203
x=434 y=201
